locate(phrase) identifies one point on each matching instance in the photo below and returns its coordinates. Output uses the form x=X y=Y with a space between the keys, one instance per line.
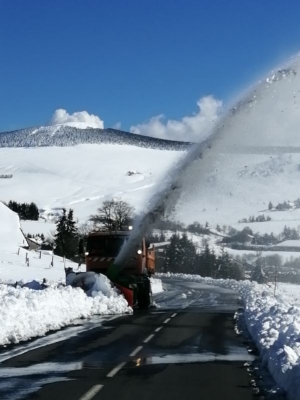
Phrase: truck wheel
x=143 y=295
x=143 y=300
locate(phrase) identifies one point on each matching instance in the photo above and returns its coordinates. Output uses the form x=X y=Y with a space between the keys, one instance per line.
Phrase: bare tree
x=84 y=229
x=113 y=215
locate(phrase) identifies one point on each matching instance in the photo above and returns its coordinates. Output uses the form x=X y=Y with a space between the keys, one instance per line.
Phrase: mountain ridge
x=63 y=136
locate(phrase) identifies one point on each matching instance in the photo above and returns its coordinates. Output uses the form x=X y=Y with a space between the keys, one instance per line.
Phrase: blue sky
x=129 y=60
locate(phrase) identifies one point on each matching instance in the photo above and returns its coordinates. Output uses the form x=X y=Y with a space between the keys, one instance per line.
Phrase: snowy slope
x=38 y=227
x=10 y=233
x=61 y=166
x=236 y=186
x=82 y=176
x=66 y=135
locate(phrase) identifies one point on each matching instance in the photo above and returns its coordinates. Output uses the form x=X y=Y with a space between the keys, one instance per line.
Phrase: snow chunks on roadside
x=26 y=313
x=90 y=282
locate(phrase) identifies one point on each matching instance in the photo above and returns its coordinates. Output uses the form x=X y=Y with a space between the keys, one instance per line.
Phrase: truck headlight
x=86 y=253
x=139 y=251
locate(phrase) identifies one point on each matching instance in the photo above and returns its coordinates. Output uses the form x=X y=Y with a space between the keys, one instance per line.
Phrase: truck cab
x=102 y=248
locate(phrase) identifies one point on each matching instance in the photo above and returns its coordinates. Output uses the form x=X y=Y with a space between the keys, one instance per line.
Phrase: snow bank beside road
x=274 y=324
x=27 y=313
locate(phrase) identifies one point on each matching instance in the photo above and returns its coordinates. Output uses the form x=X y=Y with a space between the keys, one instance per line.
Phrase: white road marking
x=167 y=320
x=158 y=329
x=92 y=392
x=174 y=315
x=114 y=371
x=134 y=353
x=149 y=338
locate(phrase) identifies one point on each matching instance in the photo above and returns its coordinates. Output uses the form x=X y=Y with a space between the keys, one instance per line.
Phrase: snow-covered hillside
x=82 y=176
x=10 y=232
x=66 y=135
x=240 y=185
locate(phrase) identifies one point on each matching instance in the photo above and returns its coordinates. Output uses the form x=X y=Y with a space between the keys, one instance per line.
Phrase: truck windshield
x=106 y=246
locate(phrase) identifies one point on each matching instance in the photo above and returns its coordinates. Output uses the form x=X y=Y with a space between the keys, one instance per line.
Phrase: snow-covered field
x=273 y=322
x=17 y=264
x=285 y=255
x=38 y=227
x=279 y=219
x=82 y=176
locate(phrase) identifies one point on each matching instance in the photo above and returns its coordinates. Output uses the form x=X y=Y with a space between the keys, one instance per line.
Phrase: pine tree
x=270 y=207
x=60 y=235
x=71 y=235
x=173 y=254
x=187 y=261
x=33 y=212
x=207 y=262
x=66 y=237
x=224 y=265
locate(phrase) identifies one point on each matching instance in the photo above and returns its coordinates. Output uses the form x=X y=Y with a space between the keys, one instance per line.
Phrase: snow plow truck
x=102 y=248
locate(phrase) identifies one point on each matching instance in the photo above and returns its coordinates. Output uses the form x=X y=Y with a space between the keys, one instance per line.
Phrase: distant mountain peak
x=65 y=135
x=78 y=125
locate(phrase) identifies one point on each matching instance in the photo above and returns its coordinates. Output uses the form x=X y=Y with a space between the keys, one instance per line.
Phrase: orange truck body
x=132 y=279
x=103 y=247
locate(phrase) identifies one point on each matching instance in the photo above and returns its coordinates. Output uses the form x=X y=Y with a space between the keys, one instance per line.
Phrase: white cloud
x=79 y=119
x=190 y=128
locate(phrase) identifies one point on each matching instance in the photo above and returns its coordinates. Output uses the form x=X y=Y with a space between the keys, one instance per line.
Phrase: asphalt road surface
x=187 y=349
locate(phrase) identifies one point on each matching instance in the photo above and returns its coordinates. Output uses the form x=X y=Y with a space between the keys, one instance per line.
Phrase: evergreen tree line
x=260 y=218
x=182 y=257
x=286 y=205
x=35 y=236
x=24 y=210
x=6 y=176
x=246 y=235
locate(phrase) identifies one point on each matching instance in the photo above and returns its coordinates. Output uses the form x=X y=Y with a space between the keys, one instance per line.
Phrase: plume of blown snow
x=192 y=128
x=80 y=119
